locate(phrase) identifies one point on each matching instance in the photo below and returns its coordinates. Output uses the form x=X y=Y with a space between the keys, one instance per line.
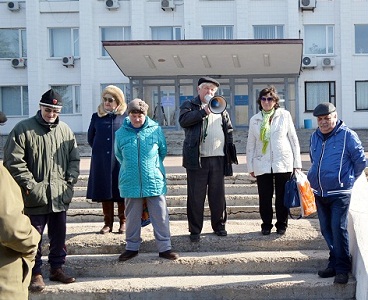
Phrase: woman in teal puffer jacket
x=140 y=147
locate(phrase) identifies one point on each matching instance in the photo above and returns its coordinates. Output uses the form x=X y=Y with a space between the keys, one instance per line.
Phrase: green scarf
x=266 y=128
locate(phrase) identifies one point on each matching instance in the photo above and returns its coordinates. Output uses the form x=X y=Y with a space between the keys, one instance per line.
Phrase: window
x=13 y=43
x=361 y=39
x=14 y=100
x=114 y=34
x=268 y=31
x=217 y=32
x=71 y=98
x=123 y=86
x=64 y=42
x=318 y=92
x=166 y=33
x=318 y=39
x=361 y=94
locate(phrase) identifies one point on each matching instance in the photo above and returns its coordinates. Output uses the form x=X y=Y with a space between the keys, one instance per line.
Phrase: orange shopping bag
x=307 y=201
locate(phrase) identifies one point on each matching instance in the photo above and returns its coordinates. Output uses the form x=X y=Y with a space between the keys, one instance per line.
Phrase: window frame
x=74 y=42
x=276 y=29
x=364 y=92
x=22 y=43
x=174 y=32
x=364 y=38
x=24 y=107
x=331 y=94
x=328 y=30
x=225 y=28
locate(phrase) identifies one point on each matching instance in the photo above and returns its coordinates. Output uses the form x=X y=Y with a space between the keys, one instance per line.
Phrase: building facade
x=60 y=44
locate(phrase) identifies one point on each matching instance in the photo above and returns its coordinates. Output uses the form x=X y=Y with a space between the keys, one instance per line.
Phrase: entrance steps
x=243 y=265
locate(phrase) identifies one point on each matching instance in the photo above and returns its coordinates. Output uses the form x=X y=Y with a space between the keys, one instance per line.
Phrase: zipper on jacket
x=139 y=159
x=319 y=166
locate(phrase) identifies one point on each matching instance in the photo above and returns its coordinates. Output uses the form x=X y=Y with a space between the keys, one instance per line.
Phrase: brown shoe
x=169 y=255
x=37 y=284
x=106 y=229
x=59 y=275
x=121 y=228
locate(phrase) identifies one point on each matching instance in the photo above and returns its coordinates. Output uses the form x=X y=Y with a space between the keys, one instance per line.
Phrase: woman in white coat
x=273 y=152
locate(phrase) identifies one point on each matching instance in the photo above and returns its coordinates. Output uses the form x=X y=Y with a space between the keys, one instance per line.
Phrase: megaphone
x=217 y=104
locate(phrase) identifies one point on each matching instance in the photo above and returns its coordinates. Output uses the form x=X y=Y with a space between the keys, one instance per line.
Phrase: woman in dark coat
x=104 y=170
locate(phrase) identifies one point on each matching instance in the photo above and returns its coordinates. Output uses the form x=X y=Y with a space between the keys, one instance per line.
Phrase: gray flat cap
x=324 y=109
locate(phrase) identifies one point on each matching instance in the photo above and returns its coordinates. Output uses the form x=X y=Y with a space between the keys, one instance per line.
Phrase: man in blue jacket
x=338 y=159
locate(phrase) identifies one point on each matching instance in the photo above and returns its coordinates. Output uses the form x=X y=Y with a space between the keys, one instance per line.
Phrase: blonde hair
x=119 y=98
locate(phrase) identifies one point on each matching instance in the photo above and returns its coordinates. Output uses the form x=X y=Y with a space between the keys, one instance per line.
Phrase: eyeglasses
x=110 y=100
x=269 y=99
x=54 y=111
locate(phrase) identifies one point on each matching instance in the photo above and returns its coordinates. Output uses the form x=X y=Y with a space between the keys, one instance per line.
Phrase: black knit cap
x=324 y=109
x=51 y=99
x=208 y=79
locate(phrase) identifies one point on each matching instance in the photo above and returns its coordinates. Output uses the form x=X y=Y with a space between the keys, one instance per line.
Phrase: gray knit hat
x=137 y=105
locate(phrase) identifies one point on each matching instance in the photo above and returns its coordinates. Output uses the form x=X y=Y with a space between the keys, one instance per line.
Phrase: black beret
x=208 y=79
x=51 y=99
x=324 y=109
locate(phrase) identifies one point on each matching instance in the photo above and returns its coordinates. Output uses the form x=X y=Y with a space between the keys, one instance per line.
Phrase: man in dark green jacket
x=41 y=154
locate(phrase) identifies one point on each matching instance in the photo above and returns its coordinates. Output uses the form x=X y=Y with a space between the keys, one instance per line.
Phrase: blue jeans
x=333 y=219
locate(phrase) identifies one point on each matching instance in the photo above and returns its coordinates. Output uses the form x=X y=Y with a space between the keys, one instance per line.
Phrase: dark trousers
x=56 y=227
x=267 y=184
x=209 y=179
x=333 y=219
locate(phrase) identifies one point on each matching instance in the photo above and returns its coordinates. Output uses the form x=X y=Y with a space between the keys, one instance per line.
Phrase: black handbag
x=291 y=195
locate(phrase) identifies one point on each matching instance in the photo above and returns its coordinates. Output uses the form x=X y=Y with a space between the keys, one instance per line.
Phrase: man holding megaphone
x=208 y=131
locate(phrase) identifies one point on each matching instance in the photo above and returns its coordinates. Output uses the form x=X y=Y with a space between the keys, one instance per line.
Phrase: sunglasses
x=110 y=100
x=269 y=99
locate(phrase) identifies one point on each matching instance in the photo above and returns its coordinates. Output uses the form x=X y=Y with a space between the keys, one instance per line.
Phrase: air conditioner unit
x=309 y=61
x=307 y=4
x=68 y=61
x=112 y=4
x=167 y=5
x=13 y=5
x=18 y=62
x=328 y=62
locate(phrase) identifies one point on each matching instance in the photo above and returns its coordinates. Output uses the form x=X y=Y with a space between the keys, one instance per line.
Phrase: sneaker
x=127 y=254
x=169 y=255
x=326 y=273
x=37 y=284
x=59 y=275
x=221 y=232
x=195 y=237
x=341 y=278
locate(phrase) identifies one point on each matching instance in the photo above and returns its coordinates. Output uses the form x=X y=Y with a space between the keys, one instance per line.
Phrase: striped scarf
x=266 y=128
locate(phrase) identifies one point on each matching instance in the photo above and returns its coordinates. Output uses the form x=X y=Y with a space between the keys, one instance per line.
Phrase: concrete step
x=175 y=189
x=304 y=286
x=180 y=178
x=174 y=201
x=194 y=263
x=78 y=215
x=243 y=235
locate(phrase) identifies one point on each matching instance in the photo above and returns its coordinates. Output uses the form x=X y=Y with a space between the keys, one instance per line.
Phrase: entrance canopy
x=206 y=57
